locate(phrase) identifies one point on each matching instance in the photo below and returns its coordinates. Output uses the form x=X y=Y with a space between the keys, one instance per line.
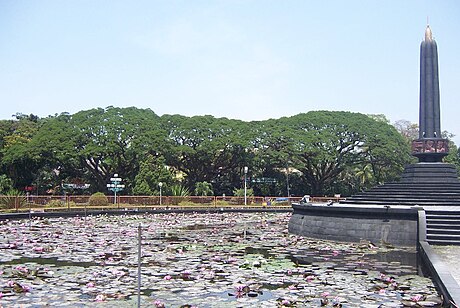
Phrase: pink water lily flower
x=158 y=304
x=100 y=298
x=231 y=259
x=310 y=278
x=416 y=298
x=39 y=249
x=21 y=269
x=285 y=302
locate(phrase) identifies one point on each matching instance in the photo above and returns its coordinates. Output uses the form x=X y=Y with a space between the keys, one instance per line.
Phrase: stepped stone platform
x=423 y=184
x=433 y=186
x=442 y=225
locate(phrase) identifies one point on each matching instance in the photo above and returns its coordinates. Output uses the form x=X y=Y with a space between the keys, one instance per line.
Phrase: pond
x=199 y=260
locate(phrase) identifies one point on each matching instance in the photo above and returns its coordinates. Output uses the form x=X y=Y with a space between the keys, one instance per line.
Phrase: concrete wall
x=393 y=226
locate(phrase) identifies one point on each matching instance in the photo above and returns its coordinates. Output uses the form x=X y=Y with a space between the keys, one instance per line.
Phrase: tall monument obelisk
x=430 y=147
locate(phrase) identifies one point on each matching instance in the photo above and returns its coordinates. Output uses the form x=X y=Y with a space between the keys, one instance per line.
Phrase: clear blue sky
x=249 y=60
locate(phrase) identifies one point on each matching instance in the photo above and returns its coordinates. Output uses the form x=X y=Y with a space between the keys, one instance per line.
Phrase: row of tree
x=319 y=152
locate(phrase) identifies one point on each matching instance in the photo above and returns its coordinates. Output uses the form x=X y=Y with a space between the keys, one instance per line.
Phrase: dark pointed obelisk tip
x=430 y=147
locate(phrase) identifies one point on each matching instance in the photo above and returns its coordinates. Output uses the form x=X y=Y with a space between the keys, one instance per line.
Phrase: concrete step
x=389 y=201
x=443 y=226
x=432 y=231
x=444 y=242
x=443 y=237
x=453 y=216
x=445 y=221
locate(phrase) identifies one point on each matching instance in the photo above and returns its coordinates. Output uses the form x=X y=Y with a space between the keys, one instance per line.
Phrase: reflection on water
x=48 y=261
x=403 y=262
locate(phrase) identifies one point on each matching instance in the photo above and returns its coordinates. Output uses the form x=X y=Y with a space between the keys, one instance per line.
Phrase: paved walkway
x=450 y=256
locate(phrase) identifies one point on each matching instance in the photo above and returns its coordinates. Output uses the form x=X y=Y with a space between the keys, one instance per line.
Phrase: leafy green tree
x=326 y=143
x=206 y=149
x=152 y=171
x=97 y=143
x=239 y=192
x=203 y=189
x=6 y=184
x=454 y=156
x=16 y=161
x=319 y=152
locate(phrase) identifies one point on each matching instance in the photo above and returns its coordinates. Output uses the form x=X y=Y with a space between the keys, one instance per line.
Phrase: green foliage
x=239 y=192
x=189 y=203
x=178 y=190
x=325 y=144
x=203 y=189
x=180 y=193
x=152 y=171
x=454 y=156
x=16 y=159
x=207 y=149
x=13 y=198
x=56 y=203
x=5 y=184
x=379 y=117
x=142 y=188
x=222 y=203
x=94 y=144
x=98 y=199
x=319 y=152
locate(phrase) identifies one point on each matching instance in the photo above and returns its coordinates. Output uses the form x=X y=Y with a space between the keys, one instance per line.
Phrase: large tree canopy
x=318 y=152
x=326 y=144
x=95 y=144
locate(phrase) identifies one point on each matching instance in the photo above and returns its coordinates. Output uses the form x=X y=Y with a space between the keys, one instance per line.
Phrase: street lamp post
x=115 y=186
x=245 y=185
x=160 y=185
x=287 y=181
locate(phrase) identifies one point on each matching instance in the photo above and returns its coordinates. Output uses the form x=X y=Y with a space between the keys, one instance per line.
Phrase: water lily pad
x=204 y=256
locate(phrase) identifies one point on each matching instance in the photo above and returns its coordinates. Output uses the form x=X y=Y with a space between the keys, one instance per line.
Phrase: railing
x=71 y=202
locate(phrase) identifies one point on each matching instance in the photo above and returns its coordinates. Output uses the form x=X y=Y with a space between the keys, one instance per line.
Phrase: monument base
x=424 y=184
x=430 y=173
x=380 y=225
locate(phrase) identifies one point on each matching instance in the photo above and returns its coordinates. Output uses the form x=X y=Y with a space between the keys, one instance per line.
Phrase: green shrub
x=188 y=203
x=203 y=189
x=179 y=193
x=222 y=203
x=9 y=199
x=55 y=203
x=239 y=192
x=178 y=190
x=98 y=199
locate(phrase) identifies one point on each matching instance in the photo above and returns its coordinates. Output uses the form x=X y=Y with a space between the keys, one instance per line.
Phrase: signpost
x=115 y=186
